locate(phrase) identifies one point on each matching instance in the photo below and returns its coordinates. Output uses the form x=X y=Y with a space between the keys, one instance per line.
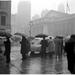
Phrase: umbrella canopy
x=16 y=38
x=60 y=37
x=30 y=38
x=5 y=34
x=20 y=34
x=41 y=35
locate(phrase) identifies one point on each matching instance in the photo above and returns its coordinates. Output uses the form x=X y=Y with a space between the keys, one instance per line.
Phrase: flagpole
x=67 y=8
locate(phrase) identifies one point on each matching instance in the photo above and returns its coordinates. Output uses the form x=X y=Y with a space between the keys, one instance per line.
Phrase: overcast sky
x=38 y=5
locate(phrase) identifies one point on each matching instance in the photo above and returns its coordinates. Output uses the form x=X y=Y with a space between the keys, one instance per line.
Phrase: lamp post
x=30 y=28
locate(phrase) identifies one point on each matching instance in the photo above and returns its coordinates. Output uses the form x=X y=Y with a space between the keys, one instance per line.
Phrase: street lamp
x=30 y=28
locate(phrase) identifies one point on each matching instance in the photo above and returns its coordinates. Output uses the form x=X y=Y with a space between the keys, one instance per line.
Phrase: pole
x=30 y=29
x=67 y=7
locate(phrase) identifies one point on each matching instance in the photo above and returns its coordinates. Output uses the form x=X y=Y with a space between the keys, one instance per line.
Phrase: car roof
x=38 y=38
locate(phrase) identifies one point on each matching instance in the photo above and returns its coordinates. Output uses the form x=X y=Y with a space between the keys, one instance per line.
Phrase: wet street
x=35 y=65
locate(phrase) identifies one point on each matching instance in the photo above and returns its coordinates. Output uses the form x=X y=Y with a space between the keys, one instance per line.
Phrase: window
x=0 y=4
x=3 y=20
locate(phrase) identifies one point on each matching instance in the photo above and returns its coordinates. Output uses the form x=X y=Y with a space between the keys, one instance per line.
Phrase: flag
x=67 y=8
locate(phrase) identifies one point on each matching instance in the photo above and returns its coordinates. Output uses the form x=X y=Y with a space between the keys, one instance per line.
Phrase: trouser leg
x=23 y=56
x=7 y=58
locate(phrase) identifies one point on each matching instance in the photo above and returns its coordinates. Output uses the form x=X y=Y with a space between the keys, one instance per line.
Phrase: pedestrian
x=25 y=47
x=69 y=49
x=51 y=47
x=57 y=42
x=3 y=68
x=44 y=45
x=7 y=52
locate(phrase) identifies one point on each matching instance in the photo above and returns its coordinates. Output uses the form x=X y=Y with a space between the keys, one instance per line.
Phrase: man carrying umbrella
x=7 y=49
x=25 y=47
x=7 y=45
x=44 y=44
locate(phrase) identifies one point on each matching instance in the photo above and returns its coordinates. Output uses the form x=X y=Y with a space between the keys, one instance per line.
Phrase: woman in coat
x=25 y=47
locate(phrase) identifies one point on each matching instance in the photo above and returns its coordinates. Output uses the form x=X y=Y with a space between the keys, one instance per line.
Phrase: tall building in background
x=23 y=16
x=5 y=16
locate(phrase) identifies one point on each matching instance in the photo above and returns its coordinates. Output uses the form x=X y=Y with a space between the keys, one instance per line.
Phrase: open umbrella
x=30 y=38
x=21 y=34
x=5 y=34
x=41 y=35
x=60 y=37
x=16 y=38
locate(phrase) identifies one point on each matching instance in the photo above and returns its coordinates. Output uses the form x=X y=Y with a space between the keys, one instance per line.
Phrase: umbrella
x=60 y=37
x=20 y=34
x=30 y=38
x=41 y=35
x=5 y=34
x=16 y=38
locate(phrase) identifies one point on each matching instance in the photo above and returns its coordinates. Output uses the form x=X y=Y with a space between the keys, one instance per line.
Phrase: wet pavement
x=34 y=65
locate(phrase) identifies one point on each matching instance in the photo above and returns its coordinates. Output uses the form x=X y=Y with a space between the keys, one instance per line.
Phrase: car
x=50 y=37
x=35 y=45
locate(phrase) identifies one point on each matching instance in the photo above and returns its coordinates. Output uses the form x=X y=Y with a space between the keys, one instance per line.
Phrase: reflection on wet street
x=37 y=65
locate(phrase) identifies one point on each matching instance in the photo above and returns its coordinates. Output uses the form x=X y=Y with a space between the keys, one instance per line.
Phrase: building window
x=0 y=4
x=3 y=20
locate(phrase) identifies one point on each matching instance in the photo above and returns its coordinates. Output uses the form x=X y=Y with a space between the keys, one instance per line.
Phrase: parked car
x=35 y=45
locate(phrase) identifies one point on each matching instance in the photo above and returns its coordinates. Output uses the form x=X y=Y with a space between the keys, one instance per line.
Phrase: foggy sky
x=39 y=5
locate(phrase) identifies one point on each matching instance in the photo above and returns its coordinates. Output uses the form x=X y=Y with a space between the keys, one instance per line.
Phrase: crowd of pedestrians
x=55 y=46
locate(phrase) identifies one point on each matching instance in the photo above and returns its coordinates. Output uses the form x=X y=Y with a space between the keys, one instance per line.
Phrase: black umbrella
x=59 y=37
x=5 y=34
x=41 y=35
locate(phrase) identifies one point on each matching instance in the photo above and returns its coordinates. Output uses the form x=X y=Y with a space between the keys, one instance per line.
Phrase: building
x=23 y=17
x=13 y=22
x=5 y=16
x=54 y=23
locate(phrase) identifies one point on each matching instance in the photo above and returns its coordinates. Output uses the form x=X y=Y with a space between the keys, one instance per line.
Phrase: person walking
x=7 y=52
x=24 y=47
x=44 y=44
x=70 y=50
x=57 y=43
x=51 y=47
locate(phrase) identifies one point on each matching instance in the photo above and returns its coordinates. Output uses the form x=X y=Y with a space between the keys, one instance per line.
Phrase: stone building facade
x=5 y=16
x=54 y=23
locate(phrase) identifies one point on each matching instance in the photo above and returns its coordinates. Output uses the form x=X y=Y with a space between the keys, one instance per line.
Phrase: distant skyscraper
x=23 y=16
